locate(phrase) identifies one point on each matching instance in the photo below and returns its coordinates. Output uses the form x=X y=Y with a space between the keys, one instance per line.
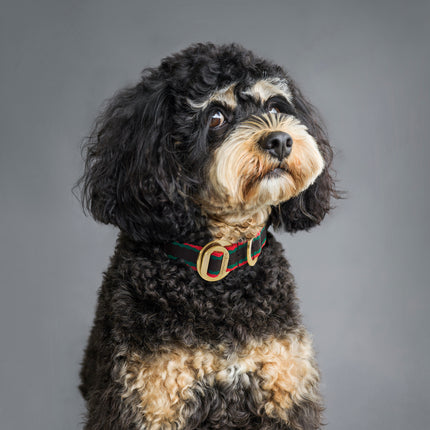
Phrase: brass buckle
x=251 y=261
x=205 y=256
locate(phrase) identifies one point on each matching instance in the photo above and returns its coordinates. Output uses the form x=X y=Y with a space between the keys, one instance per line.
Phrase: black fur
x=140 y=179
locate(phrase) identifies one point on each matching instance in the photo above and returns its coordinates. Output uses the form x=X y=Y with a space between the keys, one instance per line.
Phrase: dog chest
x=178 y=385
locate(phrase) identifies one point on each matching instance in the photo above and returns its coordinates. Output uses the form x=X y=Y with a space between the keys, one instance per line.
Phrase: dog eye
x=217 y=120
x=273 y=109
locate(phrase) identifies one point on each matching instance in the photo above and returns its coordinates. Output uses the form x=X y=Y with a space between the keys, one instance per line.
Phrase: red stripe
x=234 y=246
x=229 y=248
x=194 y=246
x=231 y=269
x=237 y=265
x=243 y=263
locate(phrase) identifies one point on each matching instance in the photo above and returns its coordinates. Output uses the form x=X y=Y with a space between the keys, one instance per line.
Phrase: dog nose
x=278 y=144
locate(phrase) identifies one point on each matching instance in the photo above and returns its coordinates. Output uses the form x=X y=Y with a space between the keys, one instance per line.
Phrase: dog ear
x=308 y=208
x=131 y=177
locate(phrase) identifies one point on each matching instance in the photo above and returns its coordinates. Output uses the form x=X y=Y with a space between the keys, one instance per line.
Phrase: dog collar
x=217 y=259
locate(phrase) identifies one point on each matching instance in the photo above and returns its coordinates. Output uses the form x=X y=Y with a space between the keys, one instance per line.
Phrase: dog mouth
x=276 y=172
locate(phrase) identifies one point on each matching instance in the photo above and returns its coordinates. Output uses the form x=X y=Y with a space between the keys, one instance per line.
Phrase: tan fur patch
x=164 y=381
x=265 y=89
x=233 y=227
x=225 y=96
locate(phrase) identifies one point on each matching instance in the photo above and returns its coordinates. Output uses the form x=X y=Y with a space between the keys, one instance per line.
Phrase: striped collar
x=217 y=259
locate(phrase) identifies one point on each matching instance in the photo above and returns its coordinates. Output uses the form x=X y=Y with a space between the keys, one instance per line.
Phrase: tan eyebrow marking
x=265 y=89
x=224 y=95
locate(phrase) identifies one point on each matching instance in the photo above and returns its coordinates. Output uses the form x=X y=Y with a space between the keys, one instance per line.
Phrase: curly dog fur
x=215 y=143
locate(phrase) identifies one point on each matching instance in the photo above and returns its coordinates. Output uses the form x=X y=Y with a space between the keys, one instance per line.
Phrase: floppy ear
x=131 y=177
x=308 y=208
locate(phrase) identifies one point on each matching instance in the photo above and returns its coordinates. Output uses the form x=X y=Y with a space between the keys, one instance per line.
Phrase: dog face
x=261 y=156
x=215 y=139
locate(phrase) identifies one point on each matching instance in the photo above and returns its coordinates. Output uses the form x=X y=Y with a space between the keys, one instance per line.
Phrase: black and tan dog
x=197 y=325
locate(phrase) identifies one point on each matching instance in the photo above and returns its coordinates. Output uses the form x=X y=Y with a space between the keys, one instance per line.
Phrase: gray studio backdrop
x=363 y=275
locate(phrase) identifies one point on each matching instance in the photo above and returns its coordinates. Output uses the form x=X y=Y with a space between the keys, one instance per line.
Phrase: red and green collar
x=217 y=259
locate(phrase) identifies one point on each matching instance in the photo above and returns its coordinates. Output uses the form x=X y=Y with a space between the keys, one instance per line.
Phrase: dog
x=197 y=323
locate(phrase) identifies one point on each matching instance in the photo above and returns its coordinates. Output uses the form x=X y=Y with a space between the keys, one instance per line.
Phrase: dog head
x=215 y=139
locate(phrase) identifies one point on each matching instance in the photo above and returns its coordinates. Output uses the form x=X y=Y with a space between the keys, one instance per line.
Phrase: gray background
x=363 y=275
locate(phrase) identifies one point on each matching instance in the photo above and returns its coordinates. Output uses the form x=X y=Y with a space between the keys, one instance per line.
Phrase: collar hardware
x=204 y=258
x=218 y=258
x=251 y=261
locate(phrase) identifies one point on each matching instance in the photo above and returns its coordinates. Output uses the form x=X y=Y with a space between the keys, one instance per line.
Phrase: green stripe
x=213 y=273
x=245 y=259
x=236 y=264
